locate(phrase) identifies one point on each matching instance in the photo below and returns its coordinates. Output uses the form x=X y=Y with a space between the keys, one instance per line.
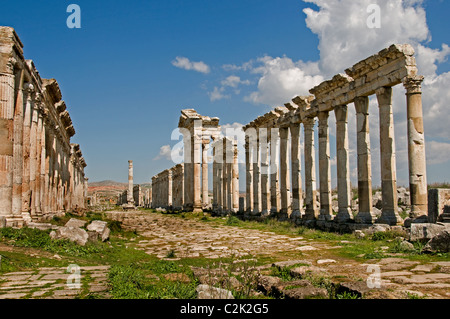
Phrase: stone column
x=297 y=194
x=235 y=178
x=224 y=177
x=389 y=213
x=130 y=198
x=39 y=166
x=215 y=178
x=284 y=171
x=33 y=159
x=6 y=143
x=26 y=193
x=220 y=165
x=275 y=199
x=324 y=168
x=416 y=149
x=365 y=214
x=265 y=188
x=343 y=166
x=229 y=175
x=188 y=169
x=256 y=176
x=249 y=170
x=197 y=149
x=205 y=192
x=169 y=189
x=310 y=171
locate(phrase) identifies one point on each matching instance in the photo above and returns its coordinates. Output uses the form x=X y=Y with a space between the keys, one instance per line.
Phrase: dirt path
x=187 y=238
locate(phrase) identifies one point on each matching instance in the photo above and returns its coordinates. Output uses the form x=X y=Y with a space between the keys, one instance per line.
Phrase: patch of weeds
x=115 y=226
x=319 y=281
x=284 y=273
x=232 y=221
x=410 y=295
x=170 y=254
x=379 y=236
x=347 y=295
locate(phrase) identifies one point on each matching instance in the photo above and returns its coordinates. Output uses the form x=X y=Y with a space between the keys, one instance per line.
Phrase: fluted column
x=225 y=189
x=297 y=194
x=275 y=199
x=235 y=178
x=220 y=165
x=6 y=143
x=343 y=167
x=284 y=171
x=256 y=176
x=365 y=214
x=18 y=152
x=310 y=171
x=40 y=157
x=130 y=198
x=229 y=175
x=205 y=192
x=215 y=178
x=389 y=213
x=324 y=168
x=265 y=187
x=249 y=170
x=416 y=148
x=197 y=149
x=33 y=159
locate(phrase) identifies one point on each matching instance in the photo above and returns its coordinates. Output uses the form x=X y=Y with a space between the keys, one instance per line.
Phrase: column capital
x=384 y=95
x=341 y=113
x=362 y=104
x=309 y=123
x=413 y=84
x=323 y=117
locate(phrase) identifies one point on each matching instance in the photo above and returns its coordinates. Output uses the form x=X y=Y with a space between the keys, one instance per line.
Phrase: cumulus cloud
x=165 y=152
x=186 y=64
x=218 y=94
x=282 y=79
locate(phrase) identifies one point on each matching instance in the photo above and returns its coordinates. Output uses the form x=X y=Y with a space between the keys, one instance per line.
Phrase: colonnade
x=41 y=172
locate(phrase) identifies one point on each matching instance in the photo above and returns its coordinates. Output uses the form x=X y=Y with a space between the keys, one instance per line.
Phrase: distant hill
x=107 y=183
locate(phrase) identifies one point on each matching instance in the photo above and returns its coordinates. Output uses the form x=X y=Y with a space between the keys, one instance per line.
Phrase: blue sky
x=124 y=90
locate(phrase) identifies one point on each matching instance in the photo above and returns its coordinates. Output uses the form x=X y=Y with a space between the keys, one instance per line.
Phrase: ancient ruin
x=41 y=171
x=274 y=179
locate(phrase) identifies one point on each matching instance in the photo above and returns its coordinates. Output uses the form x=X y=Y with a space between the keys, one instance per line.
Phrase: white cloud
x=218 y=94
x=233 y=81
x=282 y=79
x=164 y=153
x=437 y=152
x=186 y=64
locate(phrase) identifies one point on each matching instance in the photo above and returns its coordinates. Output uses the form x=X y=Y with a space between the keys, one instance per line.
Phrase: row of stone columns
x=225 y=176
x=286 y=201
x=40 y=173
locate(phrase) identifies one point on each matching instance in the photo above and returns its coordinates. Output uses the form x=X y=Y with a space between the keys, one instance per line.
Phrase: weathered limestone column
x=225 y=189
x=310 y=171
x=26 y=193
x=18 y=153
x=6 y=143
x=256 y=176
x=297 y=194
x=197 y=154
x=343 y=166
x=39 y=165
x=169 y=189
x=275 y=199
x=265 y=188
x=284 y=171
x=188 y=169
x=215 y=177
x=235 y=178
x=33 y=158
x=249 y=170
x=229 y=151
x=130 y=198
x=205 y=193
x=365 y=214
x=416 y=148
x=389 y=213
x=220 y=166
x=324 y=168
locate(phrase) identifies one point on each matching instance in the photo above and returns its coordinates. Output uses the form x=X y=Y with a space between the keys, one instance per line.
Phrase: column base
x=365 y=218
x=327 y=218
x=296 y=214
x=265 y=213
x=128 y=207
x=389 y=217
x=344 y=215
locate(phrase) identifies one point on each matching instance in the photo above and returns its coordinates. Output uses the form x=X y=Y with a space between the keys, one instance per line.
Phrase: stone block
x=73 y=222
x=209 y=292
x=438 y=199
x=101 y=228
x=440 y=242
x=425 y=231
x=75 y=234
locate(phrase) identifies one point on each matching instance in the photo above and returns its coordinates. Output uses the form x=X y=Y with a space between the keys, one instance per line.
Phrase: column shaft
x=274 y=164
x=388 y=162
x=284 y=171
x=343 y=167
x=205 y=191
x=324 y=168
x=297 y=194
x=265 y=188
x=365 y=214
x=310 y=171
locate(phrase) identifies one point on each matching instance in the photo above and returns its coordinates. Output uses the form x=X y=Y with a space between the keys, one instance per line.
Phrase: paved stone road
x=52 y=283
x=188 y=238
